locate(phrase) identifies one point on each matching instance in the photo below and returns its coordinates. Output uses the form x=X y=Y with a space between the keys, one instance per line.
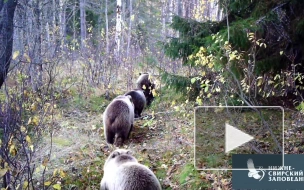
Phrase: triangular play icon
x=234 y=138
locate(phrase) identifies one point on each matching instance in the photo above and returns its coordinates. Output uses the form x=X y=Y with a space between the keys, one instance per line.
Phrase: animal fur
x=144 y=83
x=123 y=172
x=118 y=120
x=139 y=101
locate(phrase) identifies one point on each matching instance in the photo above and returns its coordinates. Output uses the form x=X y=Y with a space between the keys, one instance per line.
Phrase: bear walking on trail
x=118 y=120
x=139 y=101
x=123 y=172
x=145 y=83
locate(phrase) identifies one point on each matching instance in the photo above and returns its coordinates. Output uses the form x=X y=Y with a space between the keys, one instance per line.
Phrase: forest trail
x=163 y=143
x=162 y=140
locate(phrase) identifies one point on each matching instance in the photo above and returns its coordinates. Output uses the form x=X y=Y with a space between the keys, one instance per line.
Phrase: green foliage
x=191 y=38
x=88 y=176
x=238 y=32
x=300 y=107
x=241 y=8
x=190 y=177
x=299 y=35
x=176 y=82
x=259 y=44
x=90 y=104
x=268 y=64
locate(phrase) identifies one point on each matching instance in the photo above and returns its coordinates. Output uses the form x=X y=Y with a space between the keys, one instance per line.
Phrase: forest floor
x=162 y=139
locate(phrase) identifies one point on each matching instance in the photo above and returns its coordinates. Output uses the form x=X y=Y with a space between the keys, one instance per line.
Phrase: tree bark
x=107 y=28
x=7 y=10
x=83 y=28
x=118 y=28
x=130 y=27
x=62 y=22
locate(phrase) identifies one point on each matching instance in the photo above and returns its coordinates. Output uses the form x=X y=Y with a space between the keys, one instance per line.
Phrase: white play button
x=234 y=138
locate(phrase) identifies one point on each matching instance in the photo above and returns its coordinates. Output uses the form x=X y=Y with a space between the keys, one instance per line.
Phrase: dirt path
x=79 y=148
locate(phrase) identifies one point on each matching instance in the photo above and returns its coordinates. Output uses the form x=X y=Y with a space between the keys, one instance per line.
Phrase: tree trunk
x=36 y=63
x=82 y=23
x=118 y=28
x=7 y=10
x=130 y=27
x=107 y=29
x=62 y=22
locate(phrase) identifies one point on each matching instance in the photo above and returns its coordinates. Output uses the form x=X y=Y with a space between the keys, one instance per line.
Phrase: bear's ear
x=130 y=98
x=115 y=153
x=129 y=152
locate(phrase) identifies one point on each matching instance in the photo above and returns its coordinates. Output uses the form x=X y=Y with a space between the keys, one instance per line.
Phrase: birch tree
x=130 y=27
x=118 y=29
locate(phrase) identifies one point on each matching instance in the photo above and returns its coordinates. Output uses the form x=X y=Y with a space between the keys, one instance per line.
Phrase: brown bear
x=139 y=101
x=118 y=120
x=145 y=83
x=123 y=172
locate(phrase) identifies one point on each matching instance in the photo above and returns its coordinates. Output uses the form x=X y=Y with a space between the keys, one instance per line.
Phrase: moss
x=61 y=142
x=189 y=178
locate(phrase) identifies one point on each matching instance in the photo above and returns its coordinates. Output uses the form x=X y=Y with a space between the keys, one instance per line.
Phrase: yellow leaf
x=15 y=55
x=281 y=52
x=144 y=87
x=55 y=172
x=28 y=139
x=3 y=172
x=173 y=103
x=210 y=65
x=22 y=129
x=45 y=161
x=57 y=186
x=32 y=148
x=35 y=120
x=29 y=121
x=154 y=92
x=25 y=185
x=260 y=81
x=47 y=183
x=232 y=57
x=62 y=174
x=12 y=150
x=34 y=107
x=199 y=101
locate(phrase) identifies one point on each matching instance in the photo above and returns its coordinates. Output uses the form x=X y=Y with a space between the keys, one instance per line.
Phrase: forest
x=63 y=62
